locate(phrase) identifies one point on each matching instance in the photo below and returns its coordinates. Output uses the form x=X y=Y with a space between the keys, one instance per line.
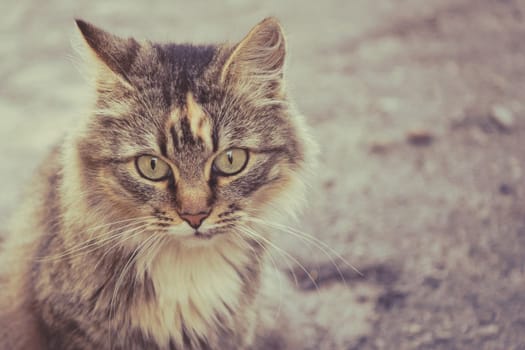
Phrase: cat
x=145 y=228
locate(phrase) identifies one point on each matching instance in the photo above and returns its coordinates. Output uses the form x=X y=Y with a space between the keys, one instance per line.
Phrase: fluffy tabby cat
x=143 y=229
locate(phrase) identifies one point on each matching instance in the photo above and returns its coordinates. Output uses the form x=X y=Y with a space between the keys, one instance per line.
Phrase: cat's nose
x=194 y=220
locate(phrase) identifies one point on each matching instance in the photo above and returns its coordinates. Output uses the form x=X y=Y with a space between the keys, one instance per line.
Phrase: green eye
x=152 y=168
x=230 y=162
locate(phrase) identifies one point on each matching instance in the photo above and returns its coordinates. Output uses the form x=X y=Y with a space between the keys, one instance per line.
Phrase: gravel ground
x=420 y=115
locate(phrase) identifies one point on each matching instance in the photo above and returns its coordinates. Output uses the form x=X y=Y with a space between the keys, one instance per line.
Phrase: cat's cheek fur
x=281 y=199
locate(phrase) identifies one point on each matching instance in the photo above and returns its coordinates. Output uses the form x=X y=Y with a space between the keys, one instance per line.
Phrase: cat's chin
x=198 y=239
x=194 y=237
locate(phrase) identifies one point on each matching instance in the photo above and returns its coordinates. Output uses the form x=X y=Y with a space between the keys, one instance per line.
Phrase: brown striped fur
x=99 y=258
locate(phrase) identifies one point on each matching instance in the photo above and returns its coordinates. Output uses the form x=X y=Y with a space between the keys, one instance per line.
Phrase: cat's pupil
x=230 y=157
x=153 y=163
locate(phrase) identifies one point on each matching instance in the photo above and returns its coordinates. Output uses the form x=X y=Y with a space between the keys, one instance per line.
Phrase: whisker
x=121 y=221
x=132 y=234
x=94 y=241
x=154 y=248
x=276 y=269
x=294 y=275
x=123 y=273
x=313 y=240
x=341 y=275
x=255 y=234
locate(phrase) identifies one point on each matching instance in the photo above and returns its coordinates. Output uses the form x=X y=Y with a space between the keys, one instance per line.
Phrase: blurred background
x=419 y=110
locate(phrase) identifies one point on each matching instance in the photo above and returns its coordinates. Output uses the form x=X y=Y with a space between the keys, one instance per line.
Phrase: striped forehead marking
x=191 y=125
x=200 y=123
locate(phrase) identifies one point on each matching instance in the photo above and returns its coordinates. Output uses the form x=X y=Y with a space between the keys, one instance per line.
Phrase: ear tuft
x=111 y=51
x=260 y=55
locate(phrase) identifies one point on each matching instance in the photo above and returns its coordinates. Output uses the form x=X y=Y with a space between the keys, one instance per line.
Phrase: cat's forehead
x=189 y=135
x=191 y=114
x=190 y=124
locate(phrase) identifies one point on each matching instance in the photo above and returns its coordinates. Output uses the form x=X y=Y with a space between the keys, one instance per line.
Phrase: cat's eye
x=152 y=168
x=230 y=162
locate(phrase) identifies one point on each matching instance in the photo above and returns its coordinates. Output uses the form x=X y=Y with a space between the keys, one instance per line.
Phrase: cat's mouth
x=198 y=239
x=202 y=235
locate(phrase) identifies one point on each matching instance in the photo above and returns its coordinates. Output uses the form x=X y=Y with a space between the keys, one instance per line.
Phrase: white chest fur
x=192 y=286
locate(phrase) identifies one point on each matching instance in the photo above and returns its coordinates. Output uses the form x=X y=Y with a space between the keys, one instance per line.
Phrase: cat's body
x=143 y=230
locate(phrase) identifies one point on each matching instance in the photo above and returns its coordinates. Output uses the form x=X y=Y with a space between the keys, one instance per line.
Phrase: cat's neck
x=198 y=291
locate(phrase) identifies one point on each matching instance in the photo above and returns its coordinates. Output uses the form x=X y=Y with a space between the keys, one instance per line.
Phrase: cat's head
x=195 y=142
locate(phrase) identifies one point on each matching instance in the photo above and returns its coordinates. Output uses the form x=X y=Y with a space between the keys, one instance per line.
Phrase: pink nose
x=194 y=220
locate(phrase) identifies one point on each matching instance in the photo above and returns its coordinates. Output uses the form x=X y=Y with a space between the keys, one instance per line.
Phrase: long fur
x=101 y=257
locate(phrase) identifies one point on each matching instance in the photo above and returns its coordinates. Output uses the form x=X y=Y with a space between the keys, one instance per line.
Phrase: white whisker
x=282 y=251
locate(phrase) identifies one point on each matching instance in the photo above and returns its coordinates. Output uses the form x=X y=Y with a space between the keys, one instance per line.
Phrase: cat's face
x=199 y=141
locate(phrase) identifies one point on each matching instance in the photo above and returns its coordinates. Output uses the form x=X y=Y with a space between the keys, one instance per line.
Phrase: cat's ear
x=111 y=54
x=259 y=58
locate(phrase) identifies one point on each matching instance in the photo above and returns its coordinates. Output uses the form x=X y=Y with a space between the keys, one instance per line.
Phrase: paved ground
x=420 y=115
